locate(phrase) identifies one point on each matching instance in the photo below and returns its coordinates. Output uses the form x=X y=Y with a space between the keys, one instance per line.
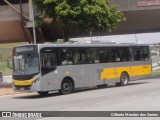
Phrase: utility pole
x=22 y=20
x=136 y=39
x=31 y=18
x=91 y=35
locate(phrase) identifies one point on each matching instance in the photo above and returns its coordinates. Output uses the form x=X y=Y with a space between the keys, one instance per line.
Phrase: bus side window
x=82 y=56
x=48 y=60
x=136 y=54
x=116 y=55
x=92 y=55
x=102 y=55
x=105 y=55
x=131 y=57
x=75 y=57
x=141 y=53
x=65 y=56
x=146 y=53
x=125 y=54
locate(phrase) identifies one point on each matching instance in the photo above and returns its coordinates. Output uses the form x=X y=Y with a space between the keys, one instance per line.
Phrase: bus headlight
x=35 y=81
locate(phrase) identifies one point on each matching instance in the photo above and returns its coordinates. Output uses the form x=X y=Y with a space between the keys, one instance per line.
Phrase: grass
x=6 y=50
x=4 y=69
x=156 y=72
x=11 y=45
x=5 y=53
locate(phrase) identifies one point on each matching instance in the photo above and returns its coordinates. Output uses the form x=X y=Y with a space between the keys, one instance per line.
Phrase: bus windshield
x=26 y=64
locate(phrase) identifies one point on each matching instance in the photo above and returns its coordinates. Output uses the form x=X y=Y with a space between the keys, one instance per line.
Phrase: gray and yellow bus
x=65 y=67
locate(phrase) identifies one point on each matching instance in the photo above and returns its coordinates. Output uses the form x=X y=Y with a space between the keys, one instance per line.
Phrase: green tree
x=87 y=15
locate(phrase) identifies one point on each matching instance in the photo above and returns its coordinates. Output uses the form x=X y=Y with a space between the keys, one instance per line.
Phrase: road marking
x=69 y=109
x=131 y=97
x=103 y=102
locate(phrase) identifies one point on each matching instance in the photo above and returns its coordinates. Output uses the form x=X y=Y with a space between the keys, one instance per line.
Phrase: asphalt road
x=141 y=95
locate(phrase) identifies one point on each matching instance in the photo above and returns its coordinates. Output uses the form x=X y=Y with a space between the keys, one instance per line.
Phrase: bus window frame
x=141 y=55
x=48 y=50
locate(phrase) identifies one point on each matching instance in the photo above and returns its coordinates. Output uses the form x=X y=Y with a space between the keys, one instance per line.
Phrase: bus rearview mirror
x=9 y=63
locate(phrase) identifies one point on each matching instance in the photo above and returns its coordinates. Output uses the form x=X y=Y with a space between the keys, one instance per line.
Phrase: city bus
x=43 y=68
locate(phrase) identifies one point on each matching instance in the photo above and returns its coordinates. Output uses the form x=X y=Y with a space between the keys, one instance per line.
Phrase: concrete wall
x=10 y=24
x=132 y=5
x=139 y=19
x=7 y=13
x=11 y=31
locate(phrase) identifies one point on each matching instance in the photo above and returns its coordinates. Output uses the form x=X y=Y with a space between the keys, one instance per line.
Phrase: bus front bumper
x=33 y=87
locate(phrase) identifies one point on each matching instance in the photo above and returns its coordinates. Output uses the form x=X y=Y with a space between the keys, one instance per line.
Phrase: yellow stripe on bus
x=23 y=82
x=116 y=72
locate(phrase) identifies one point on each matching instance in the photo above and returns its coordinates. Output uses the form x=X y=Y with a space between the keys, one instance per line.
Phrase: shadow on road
x=36 y=96
x=154 y=77
x=136 y=83
x=56 y=93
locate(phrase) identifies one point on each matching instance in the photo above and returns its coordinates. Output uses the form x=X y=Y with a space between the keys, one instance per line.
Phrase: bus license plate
x=21 y=88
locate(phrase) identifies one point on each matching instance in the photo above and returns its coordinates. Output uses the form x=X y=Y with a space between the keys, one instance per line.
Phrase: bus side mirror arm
x=8 y=63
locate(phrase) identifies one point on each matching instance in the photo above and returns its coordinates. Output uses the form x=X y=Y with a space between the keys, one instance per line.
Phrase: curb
x=6 y=86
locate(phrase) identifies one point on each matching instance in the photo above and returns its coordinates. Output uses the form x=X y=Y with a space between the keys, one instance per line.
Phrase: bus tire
x=67 y=86
x=124 y=79
x=102 y=86
x=43 y=93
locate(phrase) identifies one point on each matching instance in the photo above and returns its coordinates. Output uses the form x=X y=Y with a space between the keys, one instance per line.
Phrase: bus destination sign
x=25 y=49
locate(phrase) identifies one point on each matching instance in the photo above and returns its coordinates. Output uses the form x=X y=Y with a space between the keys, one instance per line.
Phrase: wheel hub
x=66 y=86
x=125 y=79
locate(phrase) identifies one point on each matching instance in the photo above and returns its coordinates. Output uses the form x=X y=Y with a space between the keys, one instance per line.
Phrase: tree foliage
x=87 y=15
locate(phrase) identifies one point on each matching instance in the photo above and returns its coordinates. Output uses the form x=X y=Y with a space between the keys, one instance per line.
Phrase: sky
x=146 y=38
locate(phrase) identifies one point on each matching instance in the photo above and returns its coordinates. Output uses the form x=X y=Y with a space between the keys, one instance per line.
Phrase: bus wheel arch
x=67 y=85
x=124 y=79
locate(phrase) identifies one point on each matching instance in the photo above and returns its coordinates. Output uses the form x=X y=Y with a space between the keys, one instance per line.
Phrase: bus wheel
x=66 y=87
x=102 y=86
x=124 y=79
x=43 y=93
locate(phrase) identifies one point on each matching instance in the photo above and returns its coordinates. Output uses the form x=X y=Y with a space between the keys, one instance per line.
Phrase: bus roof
x=90 y=45
x=84 y=45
